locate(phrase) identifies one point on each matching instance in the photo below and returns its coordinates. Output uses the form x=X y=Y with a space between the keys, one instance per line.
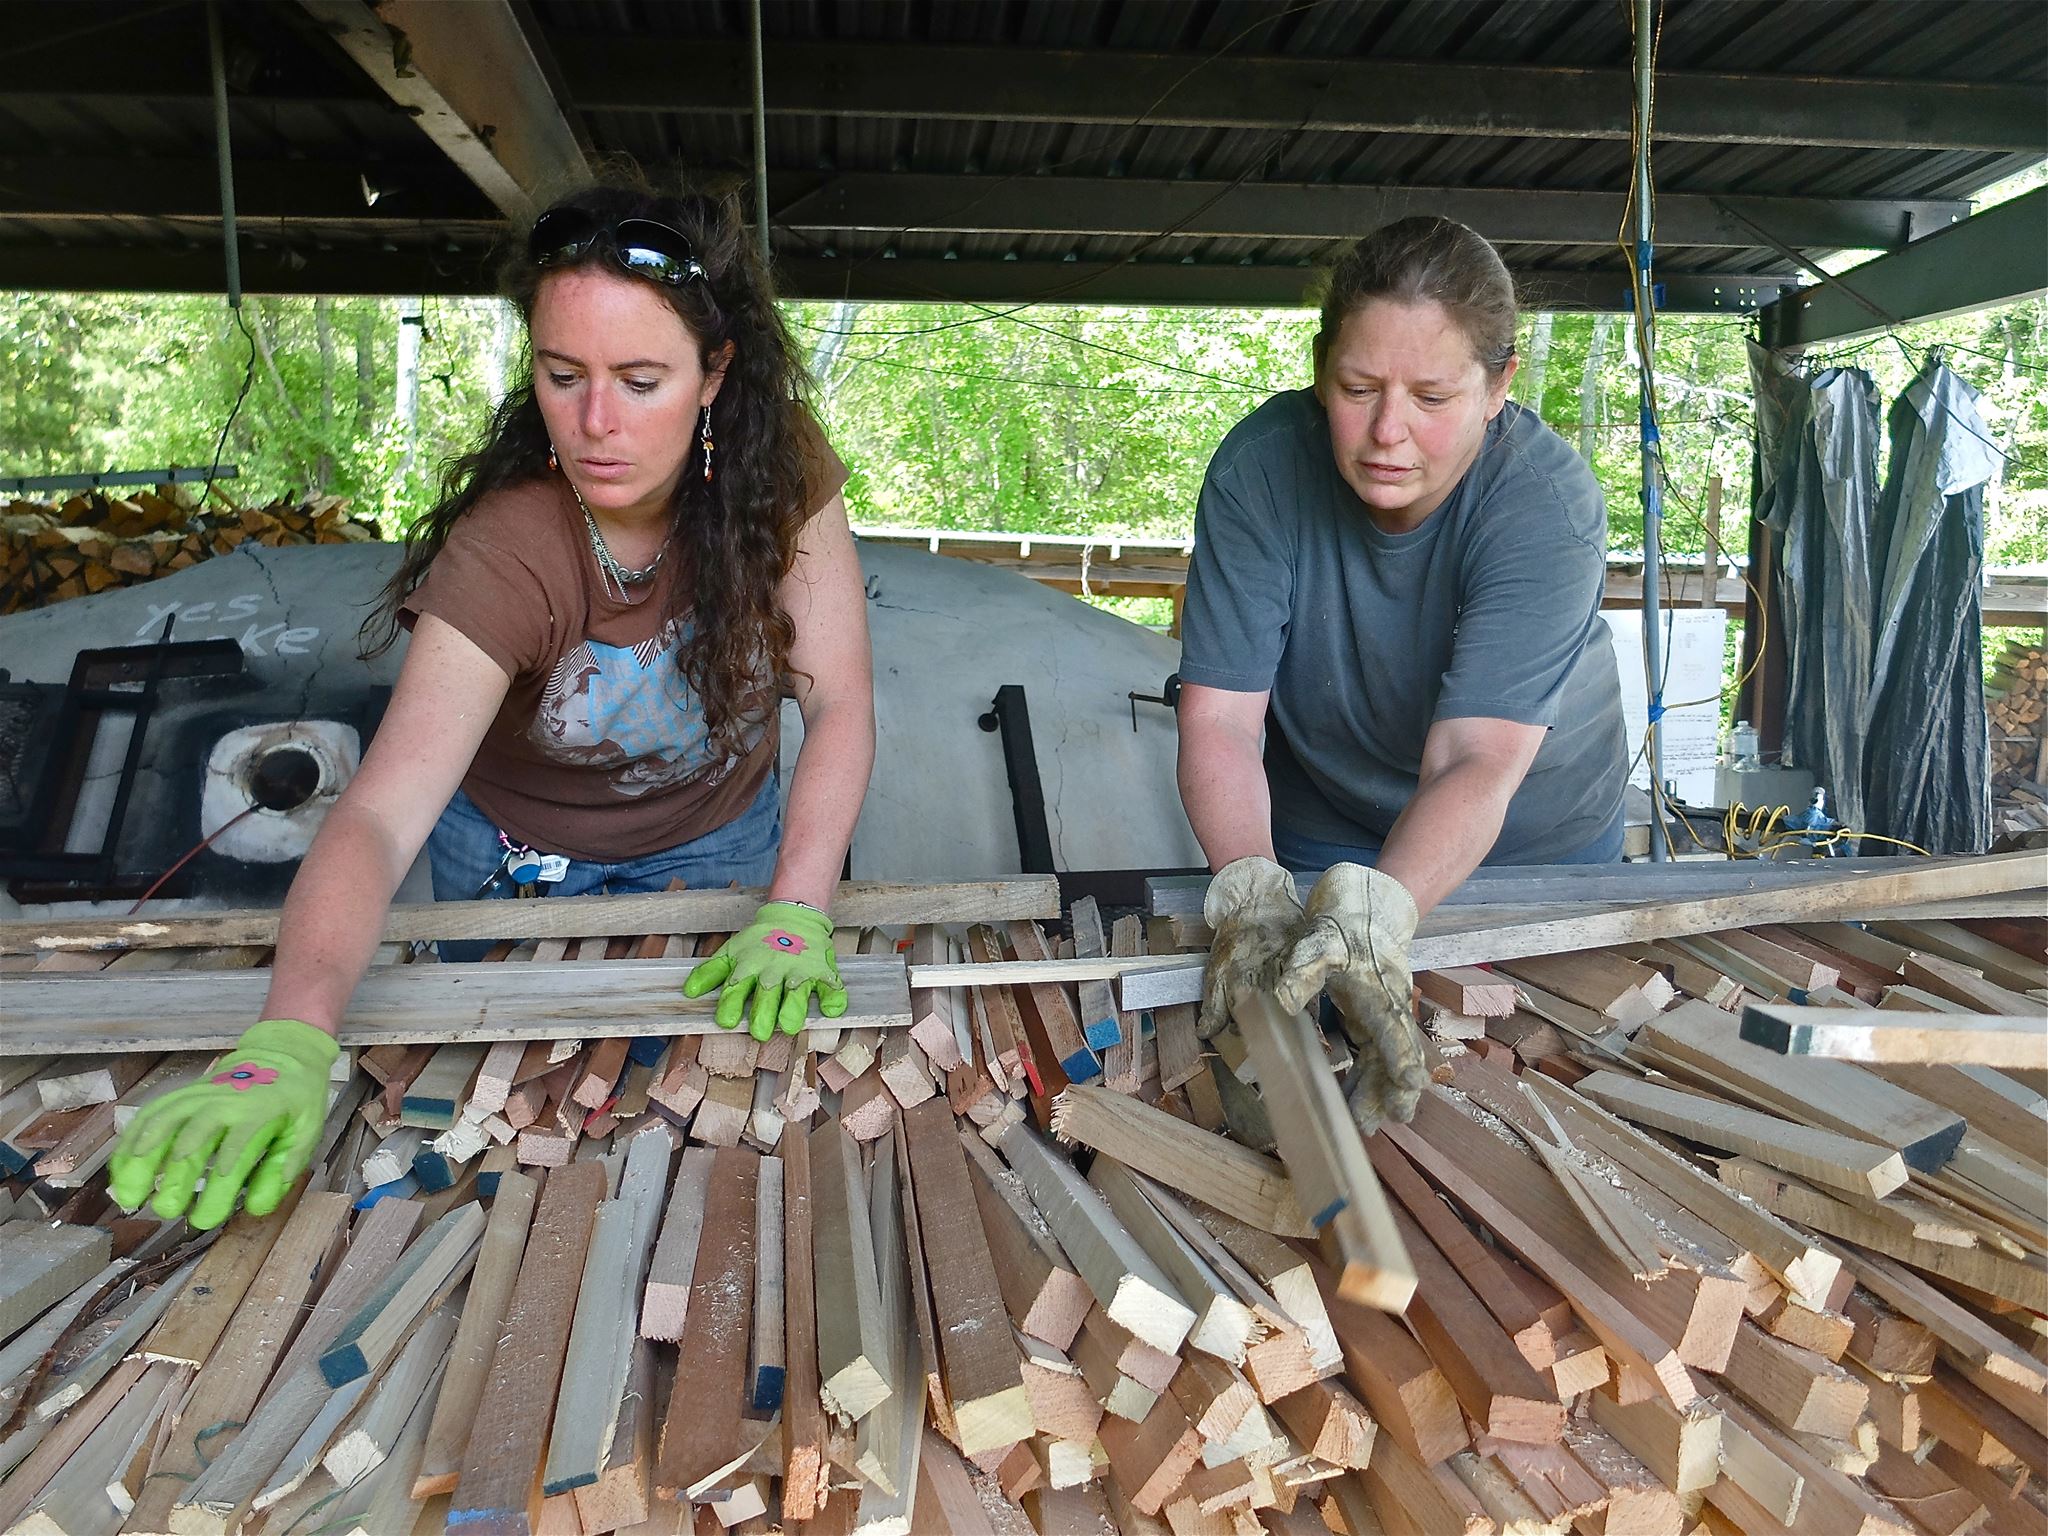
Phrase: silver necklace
x=609 y=566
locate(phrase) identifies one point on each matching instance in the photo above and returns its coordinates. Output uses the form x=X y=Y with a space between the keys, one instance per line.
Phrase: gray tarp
x=1880 y=595
x=1926 y=763
x=1819 y=502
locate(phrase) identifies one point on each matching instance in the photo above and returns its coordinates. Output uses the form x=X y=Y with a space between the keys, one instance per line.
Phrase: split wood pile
x=94 y=541
x=2016 y=697
x=858 y=1280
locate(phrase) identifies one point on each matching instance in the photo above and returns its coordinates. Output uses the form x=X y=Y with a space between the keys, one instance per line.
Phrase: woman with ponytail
x=646 y=551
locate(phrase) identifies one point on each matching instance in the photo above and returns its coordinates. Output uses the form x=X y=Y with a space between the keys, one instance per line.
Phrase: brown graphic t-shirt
x=600 y=750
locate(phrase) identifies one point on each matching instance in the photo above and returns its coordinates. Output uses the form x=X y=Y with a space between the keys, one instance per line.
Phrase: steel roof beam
x=302 y=191
x=471 y=78
x=298 y=191
x=1278 y=286
x=1074 y=205
x=1993 y=257
x=1112 y=87
x=305 y=267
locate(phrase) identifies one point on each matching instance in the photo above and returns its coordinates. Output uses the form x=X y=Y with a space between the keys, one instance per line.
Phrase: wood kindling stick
x=852 y=1351
x=1826 y=1157
x=1219 y=1172
x=1132 y=1289
x=1810 y=900
x=1323 y=1152
x=444 y=1004
x=856 y=903
x=476 y=1336
x=1978 y=1039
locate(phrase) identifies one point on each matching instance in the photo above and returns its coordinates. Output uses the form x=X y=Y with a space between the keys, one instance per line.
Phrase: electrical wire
x=248 y=377
x=190 y=854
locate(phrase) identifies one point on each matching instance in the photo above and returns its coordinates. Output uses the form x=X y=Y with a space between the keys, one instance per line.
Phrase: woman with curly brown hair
x=647 y=548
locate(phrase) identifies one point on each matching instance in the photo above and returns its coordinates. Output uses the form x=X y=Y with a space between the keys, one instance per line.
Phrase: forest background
x=1049 y=419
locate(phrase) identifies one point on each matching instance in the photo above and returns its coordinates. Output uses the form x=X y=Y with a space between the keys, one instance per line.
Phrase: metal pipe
x=759 y=52
x=216 y=57
x=1653 y=500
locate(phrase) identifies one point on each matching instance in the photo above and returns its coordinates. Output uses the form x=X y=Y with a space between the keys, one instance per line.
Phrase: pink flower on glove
x=245 y=1077
x=784 y=940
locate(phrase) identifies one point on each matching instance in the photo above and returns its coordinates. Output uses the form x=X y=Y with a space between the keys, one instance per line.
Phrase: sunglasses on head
x=646 y=246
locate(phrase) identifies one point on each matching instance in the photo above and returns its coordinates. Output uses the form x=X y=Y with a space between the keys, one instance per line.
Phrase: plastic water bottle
x=1743 y=743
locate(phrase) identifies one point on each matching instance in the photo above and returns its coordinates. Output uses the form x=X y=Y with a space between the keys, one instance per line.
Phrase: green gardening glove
x=781 y=958
x=251 y=1123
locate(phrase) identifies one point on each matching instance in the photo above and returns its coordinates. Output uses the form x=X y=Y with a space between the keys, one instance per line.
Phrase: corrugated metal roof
x=130 y=84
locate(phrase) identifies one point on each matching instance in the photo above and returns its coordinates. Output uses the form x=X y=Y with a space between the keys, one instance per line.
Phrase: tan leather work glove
x=1254 y=914
x=1360 y=926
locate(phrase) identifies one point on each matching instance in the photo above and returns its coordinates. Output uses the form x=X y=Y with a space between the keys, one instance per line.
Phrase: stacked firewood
x=2017 y=701
x=96 y=541
x=1014 y=1268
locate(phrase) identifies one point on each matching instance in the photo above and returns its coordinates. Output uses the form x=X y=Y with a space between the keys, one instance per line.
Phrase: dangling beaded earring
x=704 y=440
x=553 y=462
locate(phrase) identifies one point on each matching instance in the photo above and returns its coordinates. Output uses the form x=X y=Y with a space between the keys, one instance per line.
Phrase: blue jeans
x=1311 y=856
x=464 y=851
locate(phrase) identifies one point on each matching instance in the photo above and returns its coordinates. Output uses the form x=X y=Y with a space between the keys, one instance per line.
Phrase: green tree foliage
x=1046 y=420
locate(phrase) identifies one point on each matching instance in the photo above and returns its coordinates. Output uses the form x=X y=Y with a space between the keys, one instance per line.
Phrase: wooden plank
x=437 y=1258
x=886 y=1441
x=1408 y=1395
x=1819 y=898
x=1498 y=1389
x=1123 y=1059
x=1841 y=1162
x=1152 y=1458
x=373 y=1432
x=46 y=1458
x=226 y=1392
x=983 y=1380
x=194 y=1010
x=586 y=1410
x=45 y=1263
x=1223 y=1324
x=1834 y=1095
x=1806 y=1270
x=1101 y=1024
x=1127 y=1284
x=476 y=1337
x=1323 y=1153
x=856 y=903
x=1053 y=1012
x=1468 y=991
x=1682 y=1446
x=1979 y=1039
x=1998 y=965
x=1407 y=1498
x=926 y=1359
x=623 y=1495
x=1796 y=1388
x=1247 y=1185
x=1045 y=1297
x=1579 y=885
x=499 y=1489
x=2021 y=1281
x=767 y=1369
x=666 y=1303
x=223 y=1492
x=702 y=1430
x=803 y=1414
x=432 y=1098
x=1475 y=1266
x=1540 y=1241
x=851 y=1350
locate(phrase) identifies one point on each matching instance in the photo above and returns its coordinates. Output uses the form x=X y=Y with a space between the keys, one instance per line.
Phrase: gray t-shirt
x=1490 y=609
